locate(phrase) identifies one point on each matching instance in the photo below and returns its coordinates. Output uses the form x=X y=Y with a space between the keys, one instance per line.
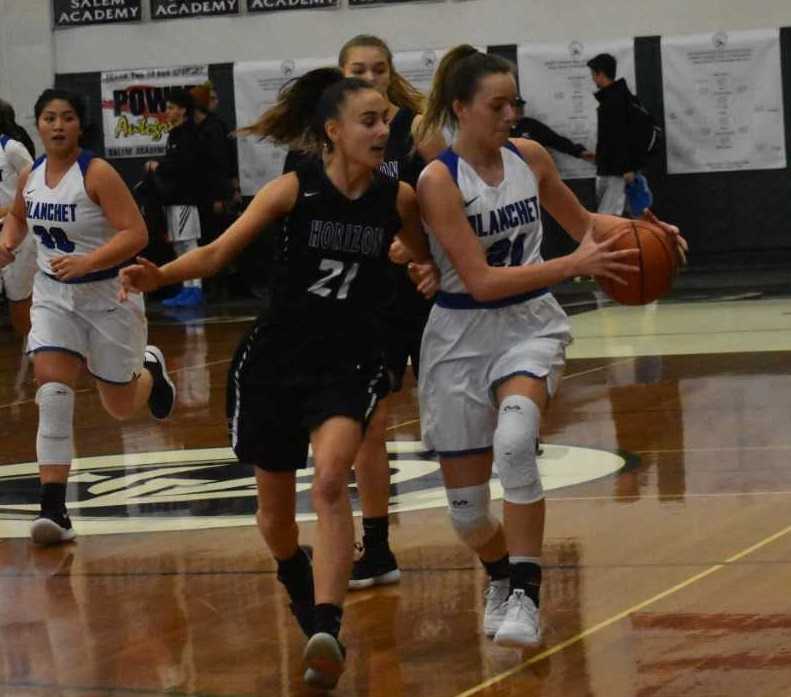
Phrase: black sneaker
x=374 y=569
x=51 y=529
x=325 y=659
x=163 y=391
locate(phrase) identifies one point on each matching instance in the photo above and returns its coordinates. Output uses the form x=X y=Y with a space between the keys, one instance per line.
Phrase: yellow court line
x=405 y=423
x=734 y=449
x=637 y=497
x=622 y=615
x=596 y=369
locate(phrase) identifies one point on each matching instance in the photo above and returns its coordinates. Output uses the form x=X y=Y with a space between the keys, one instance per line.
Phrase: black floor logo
x=191 y=489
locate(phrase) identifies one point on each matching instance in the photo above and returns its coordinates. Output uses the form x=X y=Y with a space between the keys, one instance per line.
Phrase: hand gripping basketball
x=659 y=251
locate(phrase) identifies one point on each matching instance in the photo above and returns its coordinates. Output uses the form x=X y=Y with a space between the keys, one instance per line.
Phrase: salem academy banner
x=133 y=107
x=76 y=13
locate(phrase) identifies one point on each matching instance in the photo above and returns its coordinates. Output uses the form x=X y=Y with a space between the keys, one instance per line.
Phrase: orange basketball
x=658 y=263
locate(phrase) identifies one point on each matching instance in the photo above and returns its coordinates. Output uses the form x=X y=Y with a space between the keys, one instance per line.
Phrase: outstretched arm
x=272 y=202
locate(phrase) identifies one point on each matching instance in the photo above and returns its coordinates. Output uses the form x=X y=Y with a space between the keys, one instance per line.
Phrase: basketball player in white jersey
x=86 y=225
x=494 y=344
x=16 y=279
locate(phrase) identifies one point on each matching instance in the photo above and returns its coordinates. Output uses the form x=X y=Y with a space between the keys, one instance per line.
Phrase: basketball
x=657 y=263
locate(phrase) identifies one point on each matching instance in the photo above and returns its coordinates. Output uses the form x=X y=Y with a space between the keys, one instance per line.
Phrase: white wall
x=30 y=52
x=26 y=57
x=427 y=25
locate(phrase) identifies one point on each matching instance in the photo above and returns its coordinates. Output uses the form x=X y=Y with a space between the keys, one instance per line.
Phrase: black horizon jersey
x=333 y=252
x=401 y=161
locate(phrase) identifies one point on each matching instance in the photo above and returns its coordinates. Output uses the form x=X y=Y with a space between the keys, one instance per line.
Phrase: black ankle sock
x=527 y=576
x=497 y=570
x=375 y=532
x=53 y=497
x=296 y=574
x=328 y=618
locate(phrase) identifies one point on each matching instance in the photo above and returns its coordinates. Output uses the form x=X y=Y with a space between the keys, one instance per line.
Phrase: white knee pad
x=515 y=450
x=55 y=439
x=470 y=515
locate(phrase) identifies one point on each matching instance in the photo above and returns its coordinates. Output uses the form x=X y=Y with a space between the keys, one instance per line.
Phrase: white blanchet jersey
x=64 y=219
x=506 y=218
x=14 y=157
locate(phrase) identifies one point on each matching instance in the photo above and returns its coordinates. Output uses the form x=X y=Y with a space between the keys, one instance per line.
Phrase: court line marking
x=637 y=497
x=623 y=615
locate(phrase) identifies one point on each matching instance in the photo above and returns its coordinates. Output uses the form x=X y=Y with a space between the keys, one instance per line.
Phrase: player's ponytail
x=457 y=78
x=303 y=107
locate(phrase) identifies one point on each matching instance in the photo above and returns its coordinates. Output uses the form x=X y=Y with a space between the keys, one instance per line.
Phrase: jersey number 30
x=54 y=238
x=324 y=287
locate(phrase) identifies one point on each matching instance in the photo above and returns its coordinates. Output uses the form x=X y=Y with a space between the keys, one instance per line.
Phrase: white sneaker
x=521 y=627
x=51 y=529
x=496 y=605
x=325 y=659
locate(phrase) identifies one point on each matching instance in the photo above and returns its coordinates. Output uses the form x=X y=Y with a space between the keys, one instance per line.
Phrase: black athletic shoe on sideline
x=325 y=659
x=51 y=529
x=374 y=569
x=163 y=391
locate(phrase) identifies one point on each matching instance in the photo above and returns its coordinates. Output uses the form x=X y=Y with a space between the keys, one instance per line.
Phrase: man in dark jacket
x=617 y=160
x=179 y=180
x=533 y=129
x=212 y=136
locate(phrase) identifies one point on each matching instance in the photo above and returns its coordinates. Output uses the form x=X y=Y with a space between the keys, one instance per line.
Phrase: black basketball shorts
x=277 y=395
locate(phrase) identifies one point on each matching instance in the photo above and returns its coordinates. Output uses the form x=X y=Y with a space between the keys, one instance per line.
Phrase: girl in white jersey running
x=86 y=225
x=494 y=344
x=16 y=280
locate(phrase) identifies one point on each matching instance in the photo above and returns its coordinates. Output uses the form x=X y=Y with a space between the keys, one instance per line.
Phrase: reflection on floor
x=668 y=576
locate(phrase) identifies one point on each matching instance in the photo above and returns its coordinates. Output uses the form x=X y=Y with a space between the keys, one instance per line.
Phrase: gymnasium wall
x=731 y=219
x=420 y=25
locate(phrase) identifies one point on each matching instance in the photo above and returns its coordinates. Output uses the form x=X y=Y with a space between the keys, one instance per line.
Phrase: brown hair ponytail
x=457 y=78
x=303 y=107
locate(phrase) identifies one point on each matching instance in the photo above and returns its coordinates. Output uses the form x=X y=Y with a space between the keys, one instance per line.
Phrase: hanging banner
x=279 y=5
x=555 y=81
x=179 y=9
x=723 y=102
x=256 y=86
x=133 y=107
x=366 y=3
x=80 y=13
x=418 y=67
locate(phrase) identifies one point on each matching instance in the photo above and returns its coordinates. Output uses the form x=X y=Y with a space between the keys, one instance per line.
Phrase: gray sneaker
x=52 y=529
x=496 y=605
x=521 y=627
x=325 y=657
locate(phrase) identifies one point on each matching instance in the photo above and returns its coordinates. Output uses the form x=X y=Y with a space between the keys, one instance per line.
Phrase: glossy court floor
x=667 y=557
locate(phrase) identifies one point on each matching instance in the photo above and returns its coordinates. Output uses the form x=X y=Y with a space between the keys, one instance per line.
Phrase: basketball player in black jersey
x=311 y=370
x=403 y=319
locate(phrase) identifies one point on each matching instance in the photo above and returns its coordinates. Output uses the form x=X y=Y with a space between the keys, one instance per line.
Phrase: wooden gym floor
x=667 y=556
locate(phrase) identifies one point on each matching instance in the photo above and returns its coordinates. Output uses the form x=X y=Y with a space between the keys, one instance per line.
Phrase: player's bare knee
x=515 y=460
x=329 y=487
x=55 y=437
x=469 y=509
x=272 y=524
